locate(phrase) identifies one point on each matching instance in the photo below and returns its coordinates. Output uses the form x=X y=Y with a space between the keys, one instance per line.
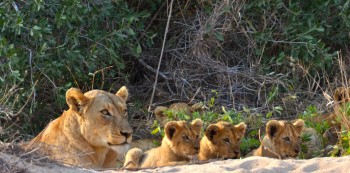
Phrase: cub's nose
x=196 y=147
x=236 y=152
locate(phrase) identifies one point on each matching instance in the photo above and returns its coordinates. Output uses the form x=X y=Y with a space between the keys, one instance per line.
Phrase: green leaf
x=223 y=109
x=121 y=35
x=219 y=36
x=155 y=131
x=138 y=49
x=268 y=115
x=321 y=29
x=36 y=27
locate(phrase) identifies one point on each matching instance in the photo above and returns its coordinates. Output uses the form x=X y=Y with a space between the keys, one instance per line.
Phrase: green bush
x=291 y=32
x=49 y=46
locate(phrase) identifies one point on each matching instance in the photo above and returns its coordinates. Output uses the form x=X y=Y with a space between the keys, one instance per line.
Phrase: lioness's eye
x=286 y=139
x=238 y=139
x=226 y=140
x=186 y=138
x=105 y=113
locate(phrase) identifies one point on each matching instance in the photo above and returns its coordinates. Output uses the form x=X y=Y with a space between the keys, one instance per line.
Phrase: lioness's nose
x=126 y=134
x=236 y=151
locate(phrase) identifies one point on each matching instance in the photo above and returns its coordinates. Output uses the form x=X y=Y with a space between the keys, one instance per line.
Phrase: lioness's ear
x=160 y=115
x=75 y=99
x=211 y=131
x=273 y=127
x=170 y=129
x=197 y=107
x=240 y=129
x=299 y=125
x=197 y=124
x=123 y=92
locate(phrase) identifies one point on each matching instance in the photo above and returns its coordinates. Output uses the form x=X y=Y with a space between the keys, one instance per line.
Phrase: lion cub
x=179 y=145
x=341 y=97
x=282 y=139
x=222 y=140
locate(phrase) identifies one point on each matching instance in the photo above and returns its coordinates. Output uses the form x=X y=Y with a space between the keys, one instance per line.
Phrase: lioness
x=179 y=145
x=282 y=140
x=222 y=141
x=176 y=108
x=94 y=132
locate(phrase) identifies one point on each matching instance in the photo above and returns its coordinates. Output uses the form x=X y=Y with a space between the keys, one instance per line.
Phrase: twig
x=195 y=94
x=103 y=76
x=141 y=61
x=31 y=75
x=161 y=55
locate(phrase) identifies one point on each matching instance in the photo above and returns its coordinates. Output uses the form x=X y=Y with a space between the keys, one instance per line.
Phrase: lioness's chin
x=120 y=148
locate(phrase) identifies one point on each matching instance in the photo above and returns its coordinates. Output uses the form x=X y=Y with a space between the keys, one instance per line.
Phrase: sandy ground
x=11 y=163
x=262 y=165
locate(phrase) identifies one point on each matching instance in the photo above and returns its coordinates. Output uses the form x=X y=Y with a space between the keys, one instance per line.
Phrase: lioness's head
x=161 y=111
x=222 y=140
x=285 y=137
x=102 y=116
x=182 y=137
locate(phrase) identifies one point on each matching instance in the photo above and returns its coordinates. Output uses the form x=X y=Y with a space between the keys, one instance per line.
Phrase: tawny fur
x=222 y=141
x=94 y=132
x=179 y=145
x=341 y=97
x=282 y=140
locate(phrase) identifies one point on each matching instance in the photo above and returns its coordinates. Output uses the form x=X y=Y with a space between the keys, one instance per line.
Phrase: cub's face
x=285 y=137
x=103 y=117
x=224 y=140
x=183 y=137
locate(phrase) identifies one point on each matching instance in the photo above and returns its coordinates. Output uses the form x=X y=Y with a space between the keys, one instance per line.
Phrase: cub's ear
x=299 y=125
x=211 y=131
x=197 y=107
x=197 y=124
x=160 y=115
x=341 y=95
x=239 y=129
x=76 y=99
x=273 y=127
x=123 y=93
x=170 y=129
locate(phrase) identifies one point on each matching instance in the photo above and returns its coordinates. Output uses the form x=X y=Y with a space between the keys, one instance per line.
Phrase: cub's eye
x=125 y=112
x=226 y=140
x=197 y=137
x=105 y=113
x=186 y=138
x=286 y=139
x=238 y=139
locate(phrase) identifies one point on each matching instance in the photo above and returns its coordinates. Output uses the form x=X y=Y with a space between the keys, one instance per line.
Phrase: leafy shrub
x=49 y=46
x=288 y=33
